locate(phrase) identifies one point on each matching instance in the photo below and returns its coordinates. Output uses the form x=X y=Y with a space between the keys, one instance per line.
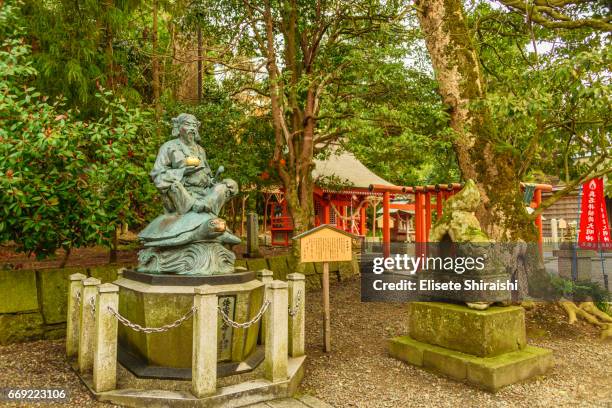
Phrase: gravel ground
x=42 y=364
x=358 y=373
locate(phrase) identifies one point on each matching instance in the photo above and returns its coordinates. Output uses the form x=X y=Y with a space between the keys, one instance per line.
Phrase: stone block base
x=154 y=301
x=132 y=392
x=489 y=373
x=483 y=333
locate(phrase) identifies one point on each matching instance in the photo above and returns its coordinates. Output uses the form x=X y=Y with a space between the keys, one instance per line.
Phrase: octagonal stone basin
x=157 y=300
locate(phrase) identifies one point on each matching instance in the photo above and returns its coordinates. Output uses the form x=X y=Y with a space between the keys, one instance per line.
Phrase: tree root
x=606 y=332
x=589 y=312
x=594 y=310
x=528 y=304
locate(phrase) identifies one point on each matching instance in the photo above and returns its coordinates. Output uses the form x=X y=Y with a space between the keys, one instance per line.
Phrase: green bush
x=65 y=183
x=582 y=291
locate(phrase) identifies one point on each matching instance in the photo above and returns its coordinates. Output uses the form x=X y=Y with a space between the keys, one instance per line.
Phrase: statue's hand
x=200 y=208
x=191 y=169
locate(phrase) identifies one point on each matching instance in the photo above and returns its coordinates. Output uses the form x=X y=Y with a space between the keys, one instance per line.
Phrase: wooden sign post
x=325 y=243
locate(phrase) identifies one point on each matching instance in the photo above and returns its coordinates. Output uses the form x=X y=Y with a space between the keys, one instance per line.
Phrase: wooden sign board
x=325 y=243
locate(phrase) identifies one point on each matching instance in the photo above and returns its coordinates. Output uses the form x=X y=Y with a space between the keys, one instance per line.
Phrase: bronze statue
x=189 y=238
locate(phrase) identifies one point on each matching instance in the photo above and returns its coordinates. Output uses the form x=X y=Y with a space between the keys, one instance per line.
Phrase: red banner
x=594 y=228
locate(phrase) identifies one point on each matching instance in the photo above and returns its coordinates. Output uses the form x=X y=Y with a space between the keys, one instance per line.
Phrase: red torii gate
x=423 y=207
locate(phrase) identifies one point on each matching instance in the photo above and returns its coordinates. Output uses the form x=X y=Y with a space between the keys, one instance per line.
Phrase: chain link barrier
x=244 y=325
x=293 y=312
x=136 y=327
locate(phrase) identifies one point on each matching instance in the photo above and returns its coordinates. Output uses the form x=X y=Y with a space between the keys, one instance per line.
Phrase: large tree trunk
x=293 y=130
x=462 y=86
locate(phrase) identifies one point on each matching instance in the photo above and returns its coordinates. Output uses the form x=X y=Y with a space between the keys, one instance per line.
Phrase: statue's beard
x=191 y=138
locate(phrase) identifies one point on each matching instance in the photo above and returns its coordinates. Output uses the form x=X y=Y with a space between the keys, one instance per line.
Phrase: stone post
x=554 y=234
x=266 y=277
x=275 y=362
x=252 y=236
x=204 y=364
x=75 y=290
x=297 y=305
x=105 y=341
x=86 y=328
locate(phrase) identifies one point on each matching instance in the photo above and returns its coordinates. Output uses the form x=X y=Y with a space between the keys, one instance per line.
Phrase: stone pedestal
x=87 y=325
x=204 y=362
x=486 y=348
x=74 y=313
x=252 y=236
x=483 y=333
x=157 y=300
x=105 y=339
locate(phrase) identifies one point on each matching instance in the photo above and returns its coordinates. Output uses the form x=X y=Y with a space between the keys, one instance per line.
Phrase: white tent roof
x=346 y=167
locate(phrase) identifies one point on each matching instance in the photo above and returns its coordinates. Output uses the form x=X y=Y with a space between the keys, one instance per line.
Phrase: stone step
x=489 y=373
x=305 y=401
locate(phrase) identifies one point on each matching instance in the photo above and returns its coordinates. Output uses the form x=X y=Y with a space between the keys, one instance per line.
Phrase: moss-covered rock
x=18 y=289
x=467 y=199
x=490 y=373
x=313 y=281
x=483 y=333
x=458 y=219
x=257 y=264
x=280 y=266
x=53 y=286
x=18 y=327
x=348 y=269
x=55 y=331
x=241 y=263
x=309 y=269
x=106 y=273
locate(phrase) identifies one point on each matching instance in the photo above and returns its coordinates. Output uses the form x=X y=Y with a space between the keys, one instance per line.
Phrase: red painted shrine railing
x=280 y=230
x=423 y=207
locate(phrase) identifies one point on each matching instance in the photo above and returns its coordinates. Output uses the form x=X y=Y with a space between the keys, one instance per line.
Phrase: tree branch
x=572 y=185
x=549 y=14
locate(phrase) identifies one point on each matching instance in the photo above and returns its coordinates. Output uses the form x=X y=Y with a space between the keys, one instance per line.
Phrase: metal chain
x=92 y=303
x=293 y=312
x=244 y=325
x=139 y=328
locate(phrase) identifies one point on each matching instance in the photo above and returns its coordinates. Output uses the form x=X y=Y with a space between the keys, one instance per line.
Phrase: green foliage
x=64 y=182
x=552 y=108
x=79 y=46
x=401 y=132
x=333 y=183
x=388 y=104
x=232 y=135
x=76 y=164
x=370 y=99
x=582 y=291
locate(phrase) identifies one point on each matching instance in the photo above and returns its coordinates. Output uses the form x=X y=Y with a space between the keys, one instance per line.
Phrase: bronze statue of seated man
x=192 y=199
